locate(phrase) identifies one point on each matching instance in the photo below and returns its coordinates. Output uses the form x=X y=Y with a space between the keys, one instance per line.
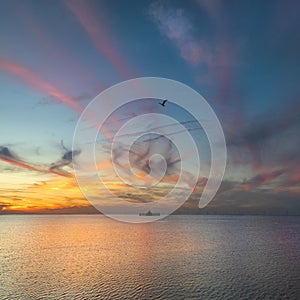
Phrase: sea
x=179 y=257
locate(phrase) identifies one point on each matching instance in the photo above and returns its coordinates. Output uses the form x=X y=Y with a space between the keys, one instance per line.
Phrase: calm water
x=181 y=257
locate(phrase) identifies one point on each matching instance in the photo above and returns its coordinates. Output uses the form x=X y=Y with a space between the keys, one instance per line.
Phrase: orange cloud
x=56 y=193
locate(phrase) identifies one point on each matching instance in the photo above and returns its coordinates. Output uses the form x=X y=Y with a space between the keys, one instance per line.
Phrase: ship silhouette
x=149 y=213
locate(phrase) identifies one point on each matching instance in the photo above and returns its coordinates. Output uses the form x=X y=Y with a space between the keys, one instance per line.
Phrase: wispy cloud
x=213 y=59
x=100 y=37
x=143 y=169
x=58 y=56
x=43 y=196
x=8 y=156
x=262 y=179
x=271 y=129
x=176 y=26
x=36 y=81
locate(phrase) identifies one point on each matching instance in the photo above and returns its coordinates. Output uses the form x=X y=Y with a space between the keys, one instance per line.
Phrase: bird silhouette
x=163 y=103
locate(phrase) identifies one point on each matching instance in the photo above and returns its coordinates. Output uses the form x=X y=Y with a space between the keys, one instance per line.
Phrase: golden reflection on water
x=93 y=257
x=63 y=251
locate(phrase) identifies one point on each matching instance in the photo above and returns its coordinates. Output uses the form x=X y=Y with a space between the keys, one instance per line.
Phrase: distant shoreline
x=175 y=214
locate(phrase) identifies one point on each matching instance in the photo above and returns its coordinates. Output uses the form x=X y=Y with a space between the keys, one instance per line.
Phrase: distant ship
x=149 y=213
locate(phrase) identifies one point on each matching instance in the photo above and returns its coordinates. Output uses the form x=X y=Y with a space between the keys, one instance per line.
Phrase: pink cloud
x=60 y=55
x=262 y=179
x=95 y=28
x=36 y=81
x=218 y=55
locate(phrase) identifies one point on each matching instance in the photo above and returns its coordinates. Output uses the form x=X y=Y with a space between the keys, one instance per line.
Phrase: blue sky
x=242 y=57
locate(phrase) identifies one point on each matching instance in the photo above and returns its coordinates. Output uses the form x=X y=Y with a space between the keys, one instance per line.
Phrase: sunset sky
x=241 y=56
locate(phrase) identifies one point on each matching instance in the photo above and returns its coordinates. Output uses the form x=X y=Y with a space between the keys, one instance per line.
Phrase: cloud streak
x=8 y=156
x=258 y=137
x=177 y=28
x=262 y=179
x=101 y=39
x=212 y=58
x=143 y=168
x=34 y=80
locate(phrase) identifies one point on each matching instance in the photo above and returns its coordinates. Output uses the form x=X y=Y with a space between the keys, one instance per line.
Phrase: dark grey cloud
x=140 y=154
x=10 y=157
x=232 y=198
x=275 y=133
x=66 y=160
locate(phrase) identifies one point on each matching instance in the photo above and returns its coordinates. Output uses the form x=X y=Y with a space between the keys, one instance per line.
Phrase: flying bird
x=163 y=103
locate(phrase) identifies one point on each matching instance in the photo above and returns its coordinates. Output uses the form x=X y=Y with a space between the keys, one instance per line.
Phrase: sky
x=241 y=56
